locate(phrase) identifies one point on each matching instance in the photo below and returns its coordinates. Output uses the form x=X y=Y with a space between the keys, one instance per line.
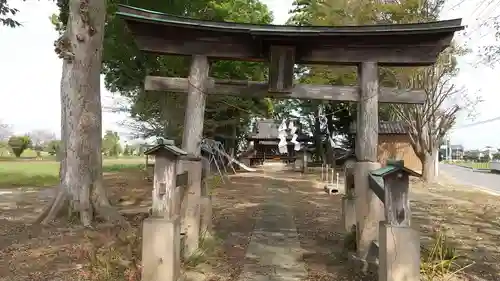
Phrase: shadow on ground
x=48 y=253
x=236 y=204
x=317 y=217
x=34 y=252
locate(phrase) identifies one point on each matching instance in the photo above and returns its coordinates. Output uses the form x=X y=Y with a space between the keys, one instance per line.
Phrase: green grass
x=36 y=173
x=474 y=165
x=27 y=154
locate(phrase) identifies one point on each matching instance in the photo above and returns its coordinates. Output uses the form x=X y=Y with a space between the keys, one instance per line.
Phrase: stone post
x=161 y=244
x=348 y=202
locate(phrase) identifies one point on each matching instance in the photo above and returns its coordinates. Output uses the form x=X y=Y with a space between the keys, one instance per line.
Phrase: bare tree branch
x=5 y=131
x=428 y=123
x=41 y=138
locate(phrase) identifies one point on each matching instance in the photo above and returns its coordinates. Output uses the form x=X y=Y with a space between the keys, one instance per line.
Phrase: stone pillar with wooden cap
x=369 y=209
x=161 y=244
x=399 y=244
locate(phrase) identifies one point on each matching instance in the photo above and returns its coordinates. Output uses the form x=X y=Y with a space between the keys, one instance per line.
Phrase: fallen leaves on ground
x=31 y=252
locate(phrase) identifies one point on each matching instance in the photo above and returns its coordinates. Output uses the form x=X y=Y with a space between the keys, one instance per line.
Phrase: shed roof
x=165 y=145
x=389 y=169
x=386 y=128
x=396 y=44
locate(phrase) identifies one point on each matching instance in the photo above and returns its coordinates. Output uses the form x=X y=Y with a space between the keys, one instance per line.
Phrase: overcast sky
x=30 y=71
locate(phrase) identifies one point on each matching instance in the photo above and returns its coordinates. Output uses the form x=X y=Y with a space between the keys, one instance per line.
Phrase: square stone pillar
x=399 y=253
x=348 y=213
x=206 y=216
x=161 y=249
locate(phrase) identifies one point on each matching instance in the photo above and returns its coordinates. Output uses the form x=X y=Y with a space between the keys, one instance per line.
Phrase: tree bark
x=429 y=173
x=81 y=188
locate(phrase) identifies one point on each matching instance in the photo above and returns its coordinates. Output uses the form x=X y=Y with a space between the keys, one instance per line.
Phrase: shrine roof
x=131 y=12
x=386 y=128
x=390 y=44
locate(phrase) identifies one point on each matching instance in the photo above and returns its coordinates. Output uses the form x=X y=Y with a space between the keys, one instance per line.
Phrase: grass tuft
x=208 y=246
x=439 y=261
x=350 y=243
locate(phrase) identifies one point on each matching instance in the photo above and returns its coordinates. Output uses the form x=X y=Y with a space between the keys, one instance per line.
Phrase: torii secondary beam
x=299 y=91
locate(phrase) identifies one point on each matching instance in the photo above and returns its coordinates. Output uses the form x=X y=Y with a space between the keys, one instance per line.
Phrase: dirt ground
x=58 y=251
x=55 y=252
x=471 y=219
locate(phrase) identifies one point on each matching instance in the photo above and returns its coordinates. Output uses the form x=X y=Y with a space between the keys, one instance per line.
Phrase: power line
x=489 y=9
x=480 y=17
x=479 y=123
x=457 y=5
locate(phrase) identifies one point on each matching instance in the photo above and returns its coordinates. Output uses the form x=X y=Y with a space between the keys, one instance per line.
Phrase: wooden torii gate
x=366 y=47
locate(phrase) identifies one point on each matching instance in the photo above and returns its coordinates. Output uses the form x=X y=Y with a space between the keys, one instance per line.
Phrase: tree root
x=62 y=204
x=54 y=208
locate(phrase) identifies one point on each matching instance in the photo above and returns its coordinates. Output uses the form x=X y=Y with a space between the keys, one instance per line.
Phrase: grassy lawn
x=474 y=165
x=41 y=173
x=27 y=154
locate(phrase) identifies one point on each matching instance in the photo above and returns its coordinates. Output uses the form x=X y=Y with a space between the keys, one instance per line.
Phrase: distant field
x=473 y=165
x=42 y=173
x=27 y=154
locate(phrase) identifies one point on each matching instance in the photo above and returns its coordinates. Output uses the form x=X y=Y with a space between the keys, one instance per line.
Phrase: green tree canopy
x=7 y=14
x=162 y=114
x=111 y=144
x=18 y=144
x=53 y=147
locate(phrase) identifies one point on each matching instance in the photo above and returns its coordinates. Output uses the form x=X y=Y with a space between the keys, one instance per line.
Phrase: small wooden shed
x=394 y=143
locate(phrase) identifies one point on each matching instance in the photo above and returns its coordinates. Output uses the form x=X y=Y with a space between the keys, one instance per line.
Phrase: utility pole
x=448 y=148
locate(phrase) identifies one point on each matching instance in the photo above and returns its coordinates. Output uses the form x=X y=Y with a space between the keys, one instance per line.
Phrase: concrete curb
x=470 y=168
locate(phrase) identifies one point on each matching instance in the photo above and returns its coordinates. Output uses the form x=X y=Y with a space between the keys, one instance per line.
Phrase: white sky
x=30 y=72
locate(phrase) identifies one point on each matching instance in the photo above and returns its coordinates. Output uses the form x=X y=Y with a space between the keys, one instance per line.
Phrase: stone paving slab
x=274 y=252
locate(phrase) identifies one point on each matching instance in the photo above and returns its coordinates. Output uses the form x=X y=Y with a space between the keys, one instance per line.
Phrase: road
x=470 y=177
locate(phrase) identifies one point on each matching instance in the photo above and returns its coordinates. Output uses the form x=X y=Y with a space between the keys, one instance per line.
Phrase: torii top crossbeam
x=389 y=44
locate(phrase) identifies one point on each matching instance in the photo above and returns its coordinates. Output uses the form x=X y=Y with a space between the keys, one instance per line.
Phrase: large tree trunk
x=429 y=171
x=81 y=189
